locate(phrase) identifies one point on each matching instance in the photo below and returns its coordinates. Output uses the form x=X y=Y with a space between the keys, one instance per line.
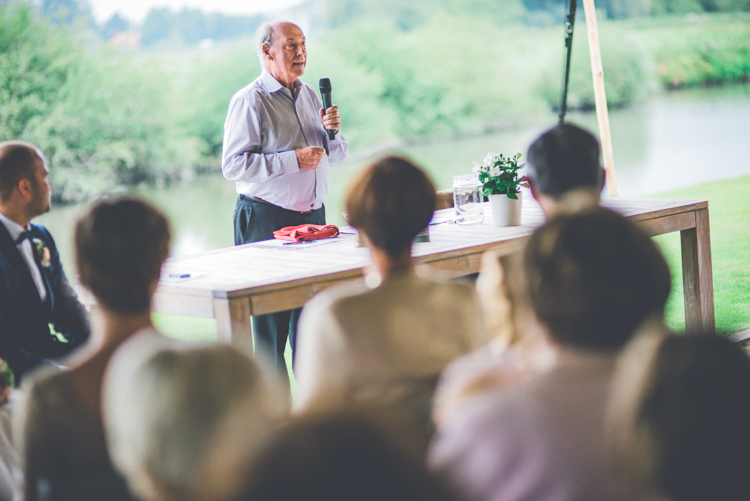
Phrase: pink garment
x=306 y=232
x=542 y=440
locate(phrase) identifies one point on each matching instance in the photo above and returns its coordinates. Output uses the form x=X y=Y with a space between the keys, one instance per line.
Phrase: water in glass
x=467 y=200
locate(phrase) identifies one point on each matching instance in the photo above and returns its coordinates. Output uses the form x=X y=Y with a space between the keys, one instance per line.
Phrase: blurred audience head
x=23 y=179
x=593 y=278
x=7 y=381
x=341 y=458
x=564 y=169
x=391 y=201
x=187 y=423
x=120 y=247
x=679 y=417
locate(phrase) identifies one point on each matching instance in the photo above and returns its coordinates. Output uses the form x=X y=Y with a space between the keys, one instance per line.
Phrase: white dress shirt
x=27 y=251
x=264 y=125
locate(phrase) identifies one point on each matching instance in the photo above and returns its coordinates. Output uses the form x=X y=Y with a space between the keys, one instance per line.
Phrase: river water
x=673 y=140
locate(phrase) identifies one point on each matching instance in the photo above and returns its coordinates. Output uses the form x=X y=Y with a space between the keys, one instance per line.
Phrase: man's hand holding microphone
x=309 y=158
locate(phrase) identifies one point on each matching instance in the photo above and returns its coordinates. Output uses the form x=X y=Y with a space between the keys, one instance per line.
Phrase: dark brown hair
x=391 y=201
x=679 y=415
x=594 y=277
x=17 y=161
x=564 y=158
x=340 y=457
x=120 y=247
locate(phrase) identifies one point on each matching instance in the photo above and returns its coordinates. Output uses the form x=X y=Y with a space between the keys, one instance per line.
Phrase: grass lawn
x=729 y=212
x=729 y=208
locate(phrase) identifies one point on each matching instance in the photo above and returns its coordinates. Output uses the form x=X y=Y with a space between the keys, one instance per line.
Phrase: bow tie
x=23 y=236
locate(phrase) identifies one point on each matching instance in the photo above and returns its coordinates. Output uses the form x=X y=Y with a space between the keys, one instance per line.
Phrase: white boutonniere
x=42 y=251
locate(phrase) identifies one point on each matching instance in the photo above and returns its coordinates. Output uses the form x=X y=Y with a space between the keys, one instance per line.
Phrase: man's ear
x=25 y=188
x=267 y=52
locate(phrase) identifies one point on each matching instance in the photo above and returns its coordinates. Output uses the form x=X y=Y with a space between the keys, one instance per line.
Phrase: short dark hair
x=594 y=277
x=120 y=247
x=391 y=201
x=564 y=158
x=17 y=161
x=341 y=457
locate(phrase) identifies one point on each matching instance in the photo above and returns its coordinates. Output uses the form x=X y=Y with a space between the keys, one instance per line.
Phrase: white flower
x=488 y=159
x=476 y=168
x=495 y=171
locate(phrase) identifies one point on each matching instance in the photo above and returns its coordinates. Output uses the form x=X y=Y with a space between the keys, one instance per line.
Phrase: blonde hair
x=186 y=424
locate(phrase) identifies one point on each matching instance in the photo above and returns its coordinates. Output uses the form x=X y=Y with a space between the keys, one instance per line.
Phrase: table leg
x=697 y=275
x=233 y=322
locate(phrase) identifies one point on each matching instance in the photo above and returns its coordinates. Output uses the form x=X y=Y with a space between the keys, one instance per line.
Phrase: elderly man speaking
x=277 y=152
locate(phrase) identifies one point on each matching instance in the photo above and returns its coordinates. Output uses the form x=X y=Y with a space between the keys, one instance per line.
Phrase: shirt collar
x=274 y=85
x=270 y=82
x=13 y=228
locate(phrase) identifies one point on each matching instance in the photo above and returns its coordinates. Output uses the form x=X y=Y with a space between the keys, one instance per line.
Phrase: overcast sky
x=136 y=10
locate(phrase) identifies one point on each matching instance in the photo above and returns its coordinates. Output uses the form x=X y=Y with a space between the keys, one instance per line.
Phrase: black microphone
x=325 y=95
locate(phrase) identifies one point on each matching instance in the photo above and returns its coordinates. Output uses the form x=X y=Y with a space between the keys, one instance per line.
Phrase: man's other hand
x=309 y=158
x=331 y=118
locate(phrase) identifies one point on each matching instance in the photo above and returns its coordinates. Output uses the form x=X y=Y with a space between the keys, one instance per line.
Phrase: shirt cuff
x=289 y=161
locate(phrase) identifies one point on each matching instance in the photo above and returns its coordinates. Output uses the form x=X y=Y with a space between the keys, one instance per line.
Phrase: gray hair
x=263 y=36
x=185 y=423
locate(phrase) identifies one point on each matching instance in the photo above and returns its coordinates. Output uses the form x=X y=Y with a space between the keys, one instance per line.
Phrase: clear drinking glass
x=467 y=199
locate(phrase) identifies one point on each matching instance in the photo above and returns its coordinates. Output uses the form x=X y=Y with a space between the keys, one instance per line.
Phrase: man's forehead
x=288 y=31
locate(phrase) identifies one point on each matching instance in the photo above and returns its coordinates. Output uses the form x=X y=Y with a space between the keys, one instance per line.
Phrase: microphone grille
x=325 y=85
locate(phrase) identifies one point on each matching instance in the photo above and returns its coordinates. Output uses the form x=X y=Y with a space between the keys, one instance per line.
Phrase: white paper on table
x=284 y=245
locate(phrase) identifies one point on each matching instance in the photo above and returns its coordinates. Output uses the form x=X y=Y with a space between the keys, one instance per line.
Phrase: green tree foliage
x=68 y=11
x=721 y=54
x=623 y=9
x=205 y=87
x=626 y=64
x=408 y=15
x=426 y=95
x=102 y=118
x=35 y=62
x=190 y=26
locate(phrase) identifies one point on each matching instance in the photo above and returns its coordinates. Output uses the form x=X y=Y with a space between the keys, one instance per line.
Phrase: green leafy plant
x=499 y=175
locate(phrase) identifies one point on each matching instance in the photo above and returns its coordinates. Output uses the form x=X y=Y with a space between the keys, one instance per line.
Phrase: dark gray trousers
x=255 y=221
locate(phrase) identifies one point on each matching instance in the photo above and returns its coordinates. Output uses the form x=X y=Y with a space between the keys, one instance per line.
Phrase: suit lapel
x=10 y=250
x=44 y=271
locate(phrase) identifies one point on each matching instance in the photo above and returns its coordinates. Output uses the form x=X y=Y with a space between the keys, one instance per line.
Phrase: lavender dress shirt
x=264 y=125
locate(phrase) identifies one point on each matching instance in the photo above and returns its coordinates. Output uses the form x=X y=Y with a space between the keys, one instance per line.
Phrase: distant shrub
x=715 y=57
x=627 y=71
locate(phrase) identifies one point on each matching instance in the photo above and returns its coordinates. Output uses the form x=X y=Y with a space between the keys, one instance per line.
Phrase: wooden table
x=232 y=284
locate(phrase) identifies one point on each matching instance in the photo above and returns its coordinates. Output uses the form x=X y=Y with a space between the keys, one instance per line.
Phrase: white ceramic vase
x=505 y=211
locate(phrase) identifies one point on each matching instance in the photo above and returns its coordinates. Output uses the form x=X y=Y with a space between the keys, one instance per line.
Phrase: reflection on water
x=674 y=140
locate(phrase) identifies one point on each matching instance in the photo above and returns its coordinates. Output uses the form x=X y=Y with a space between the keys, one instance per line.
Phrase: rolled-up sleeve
x=243 y=158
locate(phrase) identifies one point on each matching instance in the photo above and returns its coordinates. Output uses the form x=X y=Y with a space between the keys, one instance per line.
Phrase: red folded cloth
x=306 y=232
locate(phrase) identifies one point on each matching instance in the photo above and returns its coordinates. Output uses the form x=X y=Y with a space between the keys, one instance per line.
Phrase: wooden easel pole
x=602 y=115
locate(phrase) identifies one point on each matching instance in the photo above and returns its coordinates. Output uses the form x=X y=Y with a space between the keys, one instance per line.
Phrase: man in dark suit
x=34 y=291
